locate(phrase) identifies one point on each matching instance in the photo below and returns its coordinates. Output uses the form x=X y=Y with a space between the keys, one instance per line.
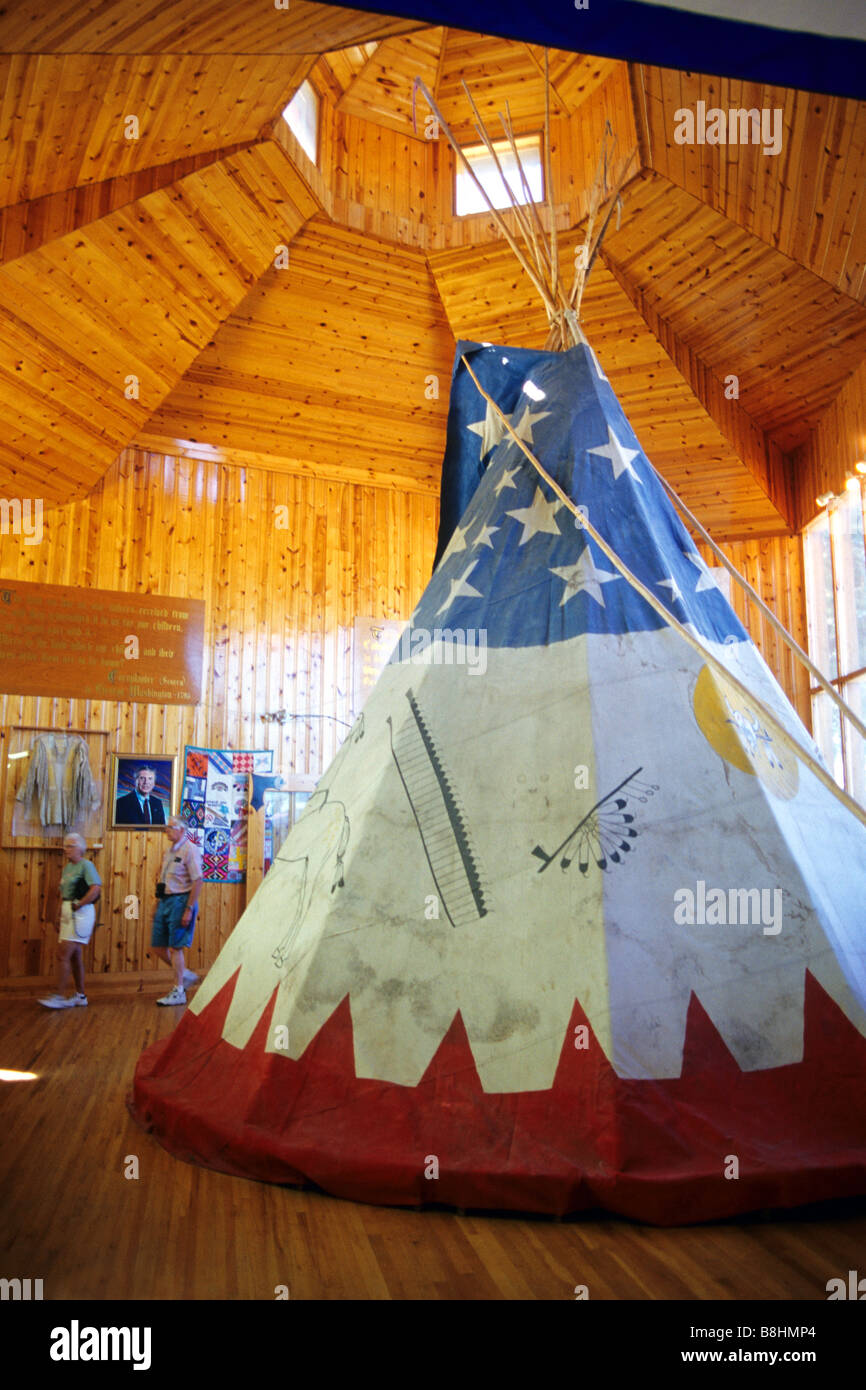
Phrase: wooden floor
x=70 y=1217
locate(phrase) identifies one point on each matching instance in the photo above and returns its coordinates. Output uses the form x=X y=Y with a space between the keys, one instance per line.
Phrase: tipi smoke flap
x=568 y=922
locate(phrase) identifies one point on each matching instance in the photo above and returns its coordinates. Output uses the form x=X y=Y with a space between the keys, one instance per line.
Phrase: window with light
x=467 y=198
x=302 y=117
x=834 y=551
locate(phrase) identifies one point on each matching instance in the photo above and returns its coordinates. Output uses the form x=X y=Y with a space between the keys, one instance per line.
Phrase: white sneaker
x=175 y=996
x=58 y=1001
x=79 y=1001
x=189 y=978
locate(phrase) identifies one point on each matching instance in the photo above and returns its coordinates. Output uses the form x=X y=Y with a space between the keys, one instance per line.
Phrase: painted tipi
x=570 y=921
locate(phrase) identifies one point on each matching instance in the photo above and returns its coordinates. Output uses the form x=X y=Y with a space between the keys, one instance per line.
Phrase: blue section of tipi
x=503 y=372
x=519 y=565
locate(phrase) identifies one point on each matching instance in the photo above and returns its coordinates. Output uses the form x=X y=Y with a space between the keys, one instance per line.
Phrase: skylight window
x=834 y=552
x=467 y=197
x=302 y=118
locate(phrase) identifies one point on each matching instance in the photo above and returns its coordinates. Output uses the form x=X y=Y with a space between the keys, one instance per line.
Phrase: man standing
x=178 y=888
x=140 y=807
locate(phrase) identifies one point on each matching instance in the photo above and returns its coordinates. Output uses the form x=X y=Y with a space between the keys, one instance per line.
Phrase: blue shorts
x=168 y=928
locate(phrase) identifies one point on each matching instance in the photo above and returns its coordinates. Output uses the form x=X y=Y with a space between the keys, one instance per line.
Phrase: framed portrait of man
x=142 y=791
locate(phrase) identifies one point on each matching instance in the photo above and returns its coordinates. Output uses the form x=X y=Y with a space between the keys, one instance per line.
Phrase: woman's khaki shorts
x=77 y=926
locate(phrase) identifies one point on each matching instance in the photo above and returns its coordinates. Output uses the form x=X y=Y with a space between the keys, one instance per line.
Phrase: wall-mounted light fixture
x=853 y=481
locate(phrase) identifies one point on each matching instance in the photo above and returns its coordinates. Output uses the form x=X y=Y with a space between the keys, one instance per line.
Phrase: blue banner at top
x=817 y=45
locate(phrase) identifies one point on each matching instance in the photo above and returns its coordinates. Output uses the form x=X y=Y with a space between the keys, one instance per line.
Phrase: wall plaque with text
x=98 y=644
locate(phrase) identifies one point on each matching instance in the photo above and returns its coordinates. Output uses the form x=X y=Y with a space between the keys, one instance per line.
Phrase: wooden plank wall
x=280 y=609
x=773 y=565
x=281 y=604
x=836 y=444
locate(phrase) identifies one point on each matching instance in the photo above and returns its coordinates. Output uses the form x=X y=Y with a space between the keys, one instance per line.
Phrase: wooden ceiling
x=186 y=26
x=744 y=307
x=381 y=89
x=155 y=257
x=377 y=82
x=329 y=360
x=63 y=118
x=807 y=202
x=99 y=325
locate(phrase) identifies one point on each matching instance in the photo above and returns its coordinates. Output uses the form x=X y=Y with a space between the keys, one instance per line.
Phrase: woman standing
x=79 y=888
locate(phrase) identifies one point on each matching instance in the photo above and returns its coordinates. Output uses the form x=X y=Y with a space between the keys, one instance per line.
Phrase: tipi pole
x=767 y=611
x=538 y=239
x=523 y=221
x=594 y=247
x=554 y=248
x=597 y=193
x=614 y=199
x=494 y=212
x=567 y=316
x=786 y=739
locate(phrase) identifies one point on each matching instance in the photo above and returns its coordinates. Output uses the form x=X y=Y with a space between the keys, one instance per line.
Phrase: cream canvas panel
x=406 y=970
x=352 y=906
x=709 y=823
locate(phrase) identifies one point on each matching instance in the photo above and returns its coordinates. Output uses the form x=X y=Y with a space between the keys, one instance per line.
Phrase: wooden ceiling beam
x=65 y=120
x=366 y=68
x=638 y=105
x=303 y=168
x=382 y=92
x=435 y=88
x=565 y=109
x=326 y=81
x=25 y=227
x=137 y=294
x=575 y=76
